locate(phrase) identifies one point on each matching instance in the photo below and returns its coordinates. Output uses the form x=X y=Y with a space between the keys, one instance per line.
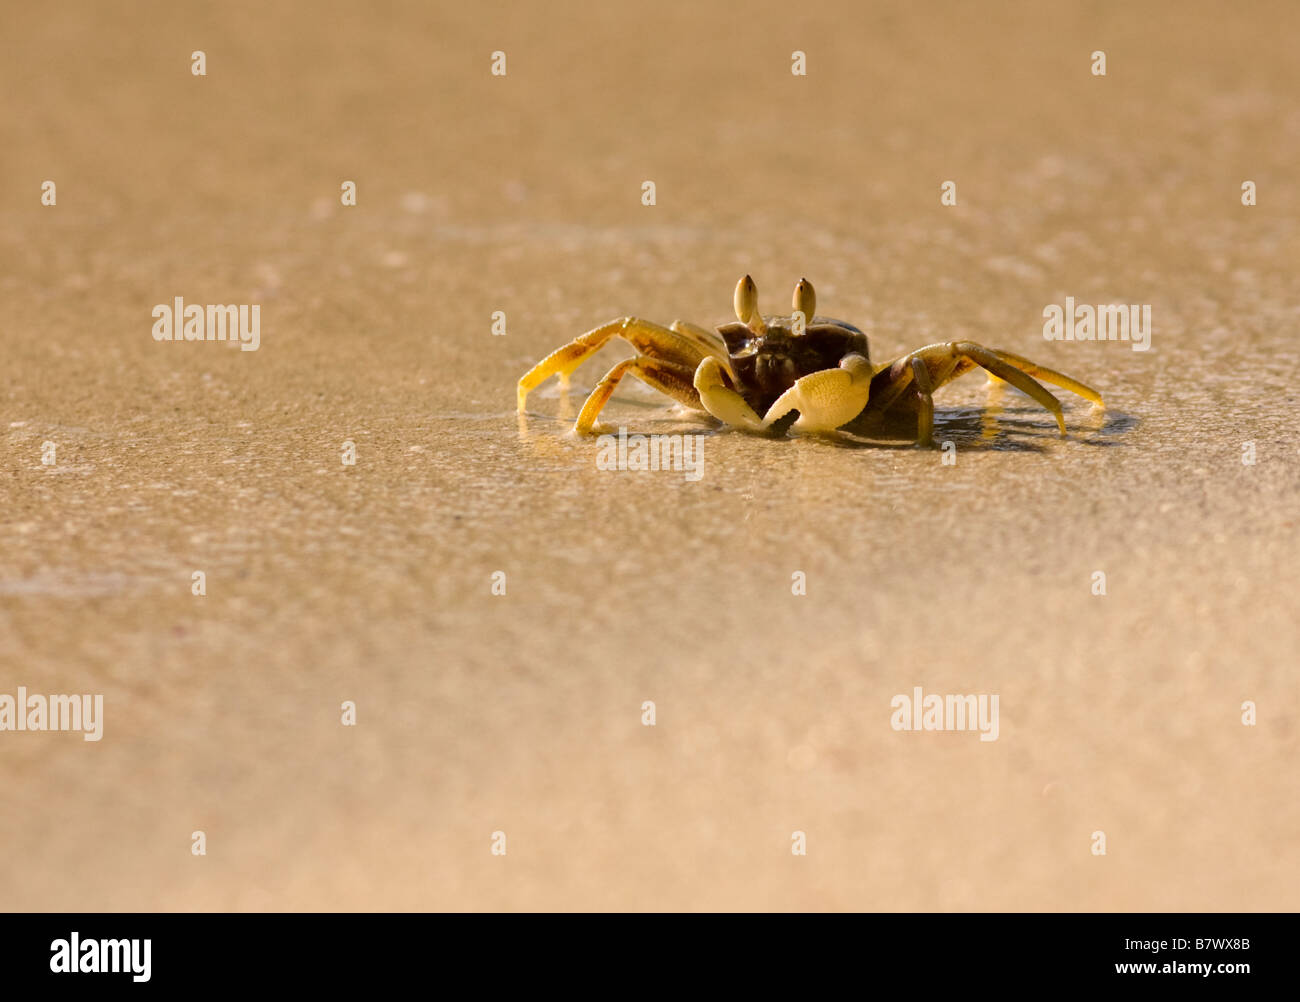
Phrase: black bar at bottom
x=612 y=953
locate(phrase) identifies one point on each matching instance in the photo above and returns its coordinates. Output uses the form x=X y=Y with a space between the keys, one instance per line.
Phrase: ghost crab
x=778 y=365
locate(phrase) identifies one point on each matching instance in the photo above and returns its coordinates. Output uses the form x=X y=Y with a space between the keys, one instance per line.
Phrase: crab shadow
x=997 y=429
x=993 y=427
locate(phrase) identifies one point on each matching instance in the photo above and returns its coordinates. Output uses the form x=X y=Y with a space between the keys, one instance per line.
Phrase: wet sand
x=521 y=713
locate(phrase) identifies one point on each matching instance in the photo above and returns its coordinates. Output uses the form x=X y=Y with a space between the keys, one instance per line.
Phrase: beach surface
x=498 y=609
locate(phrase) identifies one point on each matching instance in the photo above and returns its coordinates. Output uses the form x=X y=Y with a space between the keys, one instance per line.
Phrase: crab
x=803 y=371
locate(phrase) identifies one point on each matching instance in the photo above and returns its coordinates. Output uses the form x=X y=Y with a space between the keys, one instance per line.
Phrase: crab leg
x=1026 y=384
x=666 y=377
x=649 y=339
x=925 y=406
x=1048 y=375
x=703 y=339
x=932 y=366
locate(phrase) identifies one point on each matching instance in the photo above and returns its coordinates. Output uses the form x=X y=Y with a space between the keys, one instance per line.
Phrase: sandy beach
x=379 y=582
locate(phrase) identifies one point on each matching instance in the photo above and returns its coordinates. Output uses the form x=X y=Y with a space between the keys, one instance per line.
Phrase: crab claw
x=826 y=399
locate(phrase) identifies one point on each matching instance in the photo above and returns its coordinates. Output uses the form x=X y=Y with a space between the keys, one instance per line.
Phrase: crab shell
x=767 y=364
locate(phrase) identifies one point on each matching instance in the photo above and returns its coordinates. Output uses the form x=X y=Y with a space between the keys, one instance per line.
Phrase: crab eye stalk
x=805 y=300
x=746 y=303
